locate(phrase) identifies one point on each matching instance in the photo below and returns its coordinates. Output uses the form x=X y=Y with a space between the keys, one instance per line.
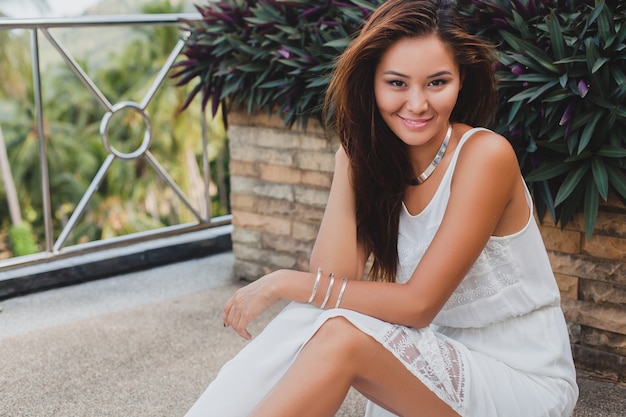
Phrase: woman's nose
x=416 y=101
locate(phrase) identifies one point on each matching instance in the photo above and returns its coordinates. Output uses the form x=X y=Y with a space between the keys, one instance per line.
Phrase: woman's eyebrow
x=439 y=74
x=399 y=74
x=395 y=73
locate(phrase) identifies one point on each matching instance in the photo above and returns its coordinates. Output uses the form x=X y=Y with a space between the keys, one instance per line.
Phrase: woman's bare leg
x=337 y=357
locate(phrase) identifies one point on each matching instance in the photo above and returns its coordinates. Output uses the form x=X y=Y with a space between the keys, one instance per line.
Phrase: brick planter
x=591 y=274
x=280 y=179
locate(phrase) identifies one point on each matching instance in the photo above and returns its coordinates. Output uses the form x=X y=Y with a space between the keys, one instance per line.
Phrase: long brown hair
x=379 y=160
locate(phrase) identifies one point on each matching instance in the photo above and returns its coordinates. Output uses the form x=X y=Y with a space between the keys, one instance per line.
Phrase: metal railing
x=56 y=244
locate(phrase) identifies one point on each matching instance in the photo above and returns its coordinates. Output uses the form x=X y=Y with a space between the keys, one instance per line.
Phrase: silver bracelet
x=317 y=283
x=343 y=288
x=330 y=288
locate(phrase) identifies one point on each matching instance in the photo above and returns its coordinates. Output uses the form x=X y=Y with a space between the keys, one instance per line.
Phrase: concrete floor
x=146 y=344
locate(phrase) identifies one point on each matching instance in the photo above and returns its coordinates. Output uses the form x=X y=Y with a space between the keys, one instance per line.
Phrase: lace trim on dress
x=435 y=361
x=409 y=257
x=494 y=270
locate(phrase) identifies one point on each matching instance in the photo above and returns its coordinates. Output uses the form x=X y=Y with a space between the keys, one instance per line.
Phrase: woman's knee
x=341 y=336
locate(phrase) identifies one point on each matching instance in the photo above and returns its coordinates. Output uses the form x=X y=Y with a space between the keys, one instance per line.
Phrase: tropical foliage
x=132 y=197
x=272 y=55
x=561 y=71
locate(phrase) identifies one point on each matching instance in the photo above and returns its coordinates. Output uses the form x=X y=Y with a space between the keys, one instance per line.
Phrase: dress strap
x=457 y=151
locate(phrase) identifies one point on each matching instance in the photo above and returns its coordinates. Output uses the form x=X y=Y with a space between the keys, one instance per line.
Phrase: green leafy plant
x=268 y=54
x=22 y=240
x=563 y=89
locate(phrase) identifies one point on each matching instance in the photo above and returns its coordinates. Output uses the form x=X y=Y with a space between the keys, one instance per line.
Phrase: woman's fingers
x=235 y=317
x=246 y=304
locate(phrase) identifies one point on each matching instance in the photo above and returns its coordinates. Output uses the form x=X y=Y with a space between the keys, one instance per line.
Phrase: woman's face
x=416 y=85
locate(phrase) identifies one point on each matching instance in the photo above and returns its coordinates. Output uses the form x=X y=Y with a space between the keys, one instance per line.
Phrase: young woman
x=460 y=313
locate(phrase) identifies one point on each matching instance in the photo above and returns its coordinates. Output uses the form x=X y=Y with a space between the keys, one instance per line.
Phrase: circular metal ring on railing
x=104 y=131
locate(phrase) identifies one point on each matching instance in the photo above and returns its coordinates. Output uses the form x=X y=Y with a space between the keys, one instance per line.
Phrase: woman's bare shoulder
x=489 y=150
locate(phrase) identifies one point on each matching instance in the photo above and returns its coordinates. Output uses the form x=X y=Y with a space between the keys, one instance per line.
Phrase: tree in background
x=131 y=199
x=12 y=56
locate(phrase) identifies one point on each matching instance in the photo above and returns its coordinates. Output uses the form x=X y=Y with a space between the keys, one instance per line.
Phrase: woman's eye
x=438 y=83
x=397 y=83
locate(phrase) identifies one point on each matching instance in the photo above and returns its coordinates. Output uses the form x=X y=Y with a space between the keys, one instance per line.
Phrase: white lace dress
x=498 y=348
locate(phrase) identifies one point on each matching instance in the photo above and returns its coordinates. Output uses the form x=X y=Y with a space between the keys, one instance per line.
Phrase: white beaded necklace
x=431 y=168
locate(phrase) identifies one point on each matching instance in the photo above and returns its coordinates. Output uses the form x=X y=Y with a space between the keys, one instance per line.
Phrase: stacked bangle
x=341 y=291
x=330 y=288
x=317 y=283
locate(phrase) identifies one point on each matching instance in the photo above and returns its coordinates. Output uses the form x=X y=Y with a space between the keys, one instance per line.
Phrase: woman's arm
x=336 y=248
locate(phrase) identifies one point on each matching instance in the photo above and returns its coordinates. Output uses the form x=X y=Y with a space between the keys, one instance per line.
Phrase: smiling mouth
x=415 y=123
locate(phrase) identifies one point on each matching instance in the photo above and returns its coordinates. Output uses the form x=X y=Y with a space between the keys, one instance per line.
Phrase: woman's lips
x=415 y=123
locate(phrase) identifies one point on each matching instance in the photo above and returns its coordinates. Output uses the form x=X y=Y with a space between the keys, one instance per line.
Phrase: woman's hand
x=248 y=302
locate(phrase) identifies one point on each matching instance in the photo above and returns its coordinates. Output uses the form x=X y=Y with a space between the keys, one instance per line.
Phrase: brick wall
x=280 y=180
x=591 y=274
x=279 y=186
